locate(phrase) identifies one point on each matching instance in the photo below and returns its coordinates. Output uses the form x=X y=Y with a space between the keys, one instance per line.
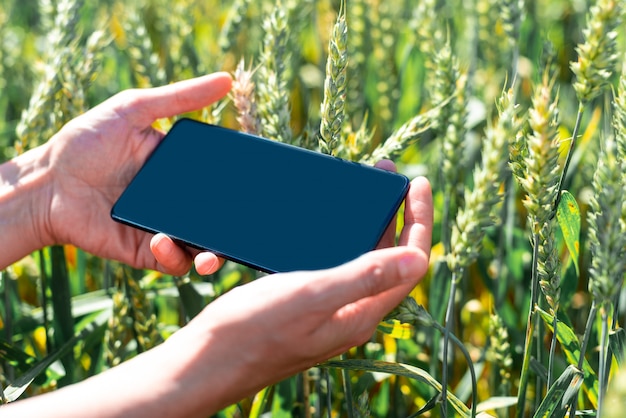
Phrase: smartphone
x=270 y=206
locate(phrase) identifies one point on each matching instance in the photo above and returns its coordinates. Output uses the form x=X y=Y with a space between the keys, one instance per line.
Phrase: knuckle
x=375 y=276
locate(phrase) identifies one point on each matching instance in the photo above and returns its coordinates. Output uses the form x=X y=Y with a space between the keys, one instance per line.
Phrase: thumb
x=144 y=106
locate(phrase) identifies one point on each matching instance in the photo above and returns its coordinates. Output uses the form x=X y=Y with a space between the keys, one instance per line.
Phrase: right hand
x=278 y=325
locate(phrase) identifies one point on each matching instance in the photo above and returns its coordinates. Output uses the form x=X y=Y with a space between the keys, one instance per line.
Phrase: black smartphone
x=268 y=205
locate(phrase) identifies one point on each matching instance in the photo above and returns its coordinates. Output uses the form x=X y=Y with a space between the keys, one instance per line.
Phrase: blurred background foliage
x=95 y=313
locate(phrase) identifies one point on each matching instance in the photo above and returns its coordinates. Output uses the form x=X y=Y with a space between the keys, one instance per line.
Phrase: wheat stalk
x=541 y=182
x=358 y=23
x=68 y=72
x=404 y=136
x=597 y=55
x=607 y=241
x=144 y=319
x=119 y=326
x=619 y=117
x=499 y=352
x=606 y=227
x=38 y=119
x=512 y=14
x=242 y=94
x=477 y=212
x=144 y=61
x=272 y=91
x=233 y=25
x=384 y=36
x=332 y=110
x=425 y=26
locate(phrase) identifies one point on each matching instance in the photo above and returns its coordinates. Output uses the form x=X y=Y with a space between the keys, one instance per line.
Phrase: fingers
x=144 y=106
x=389 y=237
x=386 y=165
x=174 y=260
x=207 y=263
x=370 y=275
x=171 y=259
x=418 y=216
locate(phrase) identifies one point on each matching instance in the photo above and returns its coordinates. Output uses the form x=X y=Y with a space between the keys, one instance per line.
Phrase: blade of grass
x=19 y=385
x=190 y=298
x=570 y=346
x=399 y=369
x=63 y=321
x=496 y=402
x=562 y=392
x=568 y=217
x=16 y=358
x=617 y=342
x=44 y=298
x=259 y=403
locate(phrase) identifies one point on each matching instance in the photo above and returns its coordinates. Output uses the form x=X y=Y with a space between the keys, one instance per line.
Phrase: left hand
x=95 y=156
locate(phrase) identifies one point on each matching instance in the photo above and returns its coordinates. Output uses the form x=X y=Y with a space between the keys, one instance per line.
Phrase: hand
x=96 y=155
x=257 y=334
x=280 y=324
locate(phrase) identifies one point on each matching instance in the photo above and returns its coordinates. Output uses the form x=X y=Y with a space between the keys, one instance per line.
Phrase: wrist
x=209 y=372
x=25 y=193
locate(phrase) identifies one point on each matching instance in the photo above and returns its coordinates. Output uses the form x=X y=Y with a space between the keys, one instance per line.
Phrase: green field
x=483 y=97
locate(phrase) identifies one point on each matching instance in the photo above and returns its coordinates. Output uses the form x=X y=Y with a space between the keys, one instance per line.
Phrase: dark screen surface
x=268 y=205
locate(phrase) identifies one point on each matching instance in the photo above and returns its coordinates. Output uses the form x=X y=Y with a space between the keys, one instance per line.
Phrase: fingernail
x=161 y=248
x=205 y=263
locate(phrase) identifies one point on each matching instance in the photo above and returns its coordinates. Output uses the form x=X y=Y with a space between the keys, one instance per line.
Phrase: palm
x=95 y=156
x=92 y=181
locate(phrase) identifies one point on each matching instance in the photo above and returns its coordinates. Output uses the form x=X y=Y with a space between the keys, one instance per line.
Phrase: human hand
x=280 y=324
x=95 y=156
x=257 y=334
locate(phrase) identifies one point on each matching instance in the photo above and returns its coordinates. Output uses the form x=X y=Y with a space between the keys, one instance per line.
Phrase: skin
x=54 y=193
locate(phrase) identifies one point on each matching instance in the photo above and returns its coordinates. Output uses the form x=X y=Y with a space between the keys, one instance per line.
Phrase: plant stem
x=329 y=399
x=552 y=351
x=570 y=152
x=506 y=241
x=470 y=364
x=602 y=373
x=446 y=338
x=539 y=329
x=583 y=347
x=3 y=399
x=530 y=326
x=306 y=394
x=347 y=388
x=445 y=221
x=44 y=299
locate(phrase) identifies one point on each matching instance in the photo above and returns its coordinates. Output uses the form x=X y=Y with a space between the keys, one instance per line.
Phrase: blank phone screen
x=268 y=205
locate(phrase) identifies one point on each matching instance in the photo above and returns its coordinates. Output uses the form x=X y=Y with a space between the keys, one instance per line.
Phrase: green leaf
x=19 y=385
x=396 y=329
x=19 y=359
x=617 y=342
x=259 y=402
x=63 y=321
x=561 y=394
x=568 y=216
x=190 y=298
x=571 y=347
x=497 y=402
x=284 y=403
x=16 y=357
x=399 y=369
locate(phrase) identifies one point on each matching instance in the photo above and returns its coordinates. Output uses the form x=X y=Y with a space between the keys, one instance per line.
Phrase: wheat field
x=514 y=110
